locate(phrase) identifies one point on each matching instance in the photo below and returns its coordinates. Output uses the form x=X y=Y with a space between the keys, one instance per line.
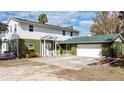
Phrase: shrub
x=32 y=53
x=73 y=50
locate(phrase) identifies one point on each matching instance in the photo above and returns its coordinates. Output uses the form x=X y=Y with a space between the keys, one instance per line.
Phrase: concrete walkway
x=71 y=62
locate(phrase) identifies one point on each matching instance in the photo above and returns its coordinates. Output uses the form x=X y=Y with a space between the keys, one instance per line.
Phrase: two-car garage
x=94 y=46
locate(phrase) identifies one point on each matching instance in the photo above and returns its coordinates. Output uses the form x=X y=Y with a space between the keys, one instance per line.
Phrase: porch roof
x=49 y=37
x=92 y=39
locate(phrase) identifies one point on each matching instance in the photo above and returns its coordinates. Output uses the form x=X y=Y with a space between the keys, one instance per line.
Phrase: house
x=96 y=46
x=3 y=28
x=26 y=37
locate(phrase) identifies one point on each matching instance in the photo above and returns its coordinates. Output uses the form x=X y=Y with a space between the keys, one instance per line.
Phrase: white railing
x=6 y=55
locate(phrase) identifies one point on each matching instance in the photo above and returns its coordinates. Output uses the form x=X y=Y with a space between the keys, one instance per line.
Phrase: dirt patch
x=19 y=63
x=24 y=70
x=94 y=74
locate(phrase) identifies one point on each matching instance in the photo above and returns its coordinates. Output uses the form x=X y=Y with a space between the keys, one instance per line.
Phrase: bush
x=32 y=53
x=73 y=50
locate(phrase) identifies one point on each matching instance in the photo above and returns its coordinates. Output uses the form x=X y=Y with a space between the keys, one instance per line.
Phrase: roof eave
x=99 y=42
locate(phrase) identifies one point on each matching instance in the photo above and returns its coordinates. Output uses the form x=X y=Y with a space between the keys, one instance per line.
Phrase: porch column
x=44 y=48
x=53 y=50
x=40 y=49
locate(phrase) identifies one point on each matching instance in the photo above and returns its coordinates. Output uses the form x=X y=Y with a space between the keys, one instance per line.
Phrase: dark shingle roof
x=91 y=39
x=54 y=26
x=3 y=27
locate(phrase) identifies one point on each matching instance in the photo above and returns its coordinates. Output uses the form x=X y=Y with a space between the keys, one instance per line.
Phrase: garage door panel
x=92 y=50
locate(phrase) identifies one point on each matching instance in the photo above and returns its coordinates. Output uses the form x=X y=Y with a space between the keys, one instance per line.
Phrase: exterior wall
x=41 y=31
x=24 y=35
x=23 y=46
x=11 y=34
x=89 y=50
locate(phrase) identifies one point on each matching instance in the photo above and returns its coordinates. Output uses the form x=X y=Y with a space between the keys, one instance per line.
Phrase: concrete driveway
x=72 y=62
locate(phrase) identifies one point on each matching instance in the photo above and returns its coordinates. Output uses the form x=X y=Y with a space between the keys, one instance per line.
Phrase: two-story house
x=23 y=35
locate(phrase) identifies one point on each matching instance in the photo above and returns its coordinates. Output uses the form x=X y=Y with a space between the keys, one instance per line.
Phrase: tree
x=42 y=18
x=121 y=17
x=105 y=22
x=3 y=27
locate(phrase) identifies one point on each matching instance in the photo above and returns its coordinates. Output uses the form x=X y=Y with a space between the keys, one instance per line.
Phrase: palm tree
x=42 y=18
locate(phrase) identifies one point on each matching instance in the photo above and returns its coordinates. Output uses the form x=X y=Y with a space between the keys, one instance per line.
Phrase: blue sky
x=78 y=19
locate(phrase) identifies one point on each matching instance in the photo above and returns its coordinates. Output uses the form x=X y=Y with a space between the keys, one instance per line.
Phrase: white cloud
x=23 y=14
x=4 y=21
x=86 y=22
x=73 y=20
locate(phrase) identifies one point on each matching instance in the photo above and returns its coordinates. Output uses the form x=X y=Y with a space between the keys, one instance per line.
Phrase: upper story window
x=31 y=28
x=15 y=27
x=71 y=33
x=63 y=32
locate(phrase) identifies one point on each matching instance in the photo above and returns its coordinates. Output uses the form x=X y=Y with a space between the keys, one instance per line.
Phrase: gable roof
x=48 y=25
x=92 y=39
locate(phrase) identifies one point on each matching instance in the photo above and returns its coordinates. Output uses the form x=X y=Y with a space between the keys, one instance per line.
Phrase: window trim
x=31 y=28
x=30 y=44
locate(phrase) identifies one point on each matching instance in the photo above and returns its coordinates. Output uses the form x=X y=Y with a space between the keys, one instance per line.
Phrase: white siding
x=89 y=50
x=40 y=31
x=11 y=33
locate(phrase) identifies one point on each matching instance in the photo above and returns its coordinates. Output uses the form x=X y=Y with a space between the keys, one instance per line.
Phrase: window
x=71 y=33
x=30 y=46
x=15 y=27
x=10 y=29
x=63 y=32
x=31 y=28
